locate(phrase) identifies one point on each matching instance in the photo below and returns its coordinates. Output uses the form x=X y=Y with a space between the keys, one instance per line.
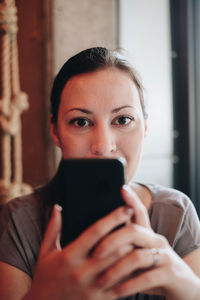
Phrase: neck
x=143 y=193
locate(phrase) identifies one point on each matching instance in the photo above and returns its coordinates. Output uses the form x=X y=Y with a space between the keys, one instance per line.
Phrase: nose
x=103 y=142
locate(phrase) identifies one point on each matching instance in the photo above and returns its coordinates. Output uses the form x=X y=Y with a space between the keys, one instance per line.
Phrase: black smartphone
x=90 y=190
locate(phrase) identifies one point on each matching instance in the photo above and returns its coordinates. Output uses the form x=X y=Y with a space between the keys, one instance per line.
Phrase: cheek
x=132 y=143
x=73 y=146
x=132 y=150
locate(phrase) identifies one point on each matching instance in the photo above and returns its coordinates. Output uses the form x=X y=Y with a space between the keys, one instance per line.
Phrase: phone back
x=90 y=190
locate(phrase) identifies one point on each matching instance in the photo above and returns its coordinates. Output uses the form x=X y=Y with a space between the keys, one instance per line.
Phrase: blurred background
x=162 y=39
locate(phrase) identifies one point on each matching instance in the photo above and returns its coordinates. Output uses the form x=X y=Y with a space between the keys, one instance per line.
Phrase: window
x=185 y=28
x=144 y=31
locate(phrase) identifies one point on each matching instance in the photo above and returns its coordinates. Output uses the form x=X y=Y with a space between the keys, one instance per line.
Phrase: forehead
x=109 y=86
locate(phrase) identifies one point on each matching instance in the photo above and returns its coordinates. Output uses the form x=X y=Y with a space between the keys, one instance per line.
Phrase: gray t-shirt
x=23 y=221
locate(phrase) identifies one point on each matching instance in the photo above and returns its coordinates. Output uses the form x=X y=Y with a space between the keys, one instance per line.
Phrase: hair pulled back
x=91 y=60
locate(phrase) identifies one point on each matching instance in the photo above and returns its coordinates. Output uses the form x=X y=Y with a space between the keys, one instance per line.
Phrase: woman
x=98 y=111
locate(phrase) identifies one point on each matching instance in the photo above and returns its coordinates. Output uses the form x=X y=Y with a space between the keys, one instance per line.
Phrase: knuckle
x=107 y=276
x=87 y=294
x=163 y=242
x=171 y=271
x=120 y=252
x=132 y=228
x=98 y=229
x=168 y=259
x=101 y=247
x=65 y=260
x=121 y=290
x=76 y=277
x=149 y=278
x=138 y=255
x=120 y=215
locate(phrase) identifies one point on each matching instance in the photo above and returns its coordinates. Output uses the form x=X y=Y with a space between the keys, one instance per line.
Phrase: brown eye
x=123 y=121
x=80 y=122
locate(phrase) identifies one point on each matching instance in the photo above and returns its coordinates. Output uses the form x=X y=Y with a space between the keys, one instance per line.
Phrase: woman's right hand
x=71 y=273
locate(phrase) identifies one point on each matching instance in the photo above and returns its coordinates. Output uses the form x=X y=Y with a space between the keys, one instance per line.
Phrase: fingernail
x=58 y=207
x=127 y=188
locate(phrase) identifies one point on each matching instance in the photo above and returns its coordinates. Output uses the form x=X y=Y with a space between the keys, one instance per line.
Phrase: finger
x=148 y=280
x=132 y=234
x=132 y=200
x=93 y=267
x=51 y=239
x=91 y=236
x=168 y=275
x=138 y=259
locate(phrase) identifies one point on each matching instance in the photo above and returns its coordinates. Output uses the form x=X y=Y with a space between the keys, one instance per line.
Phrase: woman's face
x=100 y=116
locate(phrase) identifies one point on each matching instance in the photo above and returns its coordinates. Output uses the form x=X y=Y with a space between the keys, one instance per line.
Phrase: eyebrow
x=116 y=110
x=81 y=109
x=86 y=111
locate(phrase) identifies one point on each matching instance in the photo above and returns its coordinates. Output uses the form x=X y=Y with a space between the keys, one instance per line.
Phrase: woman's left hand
x=152 y=267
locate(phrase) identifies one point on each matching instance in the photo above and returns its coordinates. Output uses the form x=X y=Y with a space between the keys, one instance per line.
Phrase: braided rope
x=5 y=67
x=17 y=157
x=6 y=163
x=14 y=66
x=12 y=103
x=5 y=101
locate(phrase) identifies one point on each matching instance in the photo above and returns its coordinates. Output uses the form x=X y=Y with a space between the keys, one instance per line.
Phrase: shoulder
x=169 y=197
x=21 y=231
x=173 y=215
x=170 y=202
x=32 y=209
x=23 y=206
x=24 y=215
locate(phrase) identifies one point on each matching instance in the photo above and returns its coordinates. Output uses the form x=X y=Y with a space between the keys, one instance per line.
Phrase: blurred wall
x=144 y=28
x=49 y=33
x=78 y=25
x=31 y=43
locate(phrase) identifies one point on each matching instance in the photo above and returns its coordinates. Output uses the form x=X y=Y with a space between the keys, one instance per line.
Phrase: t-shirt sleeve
x=188 y=237
x=19 y=238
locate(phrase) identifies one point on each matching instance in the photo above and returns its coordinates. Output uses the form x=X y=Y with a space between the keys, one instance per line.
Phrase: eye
x=81 y=122
x=123 y=121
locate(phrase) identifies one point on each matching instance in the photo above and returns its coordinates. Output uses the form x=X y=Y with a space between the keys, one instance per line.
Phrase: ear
x=54 y=132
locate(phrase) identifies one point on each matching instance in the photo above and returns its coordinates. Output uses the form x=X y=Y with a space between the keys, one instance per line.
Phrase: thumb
x=51 y=239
